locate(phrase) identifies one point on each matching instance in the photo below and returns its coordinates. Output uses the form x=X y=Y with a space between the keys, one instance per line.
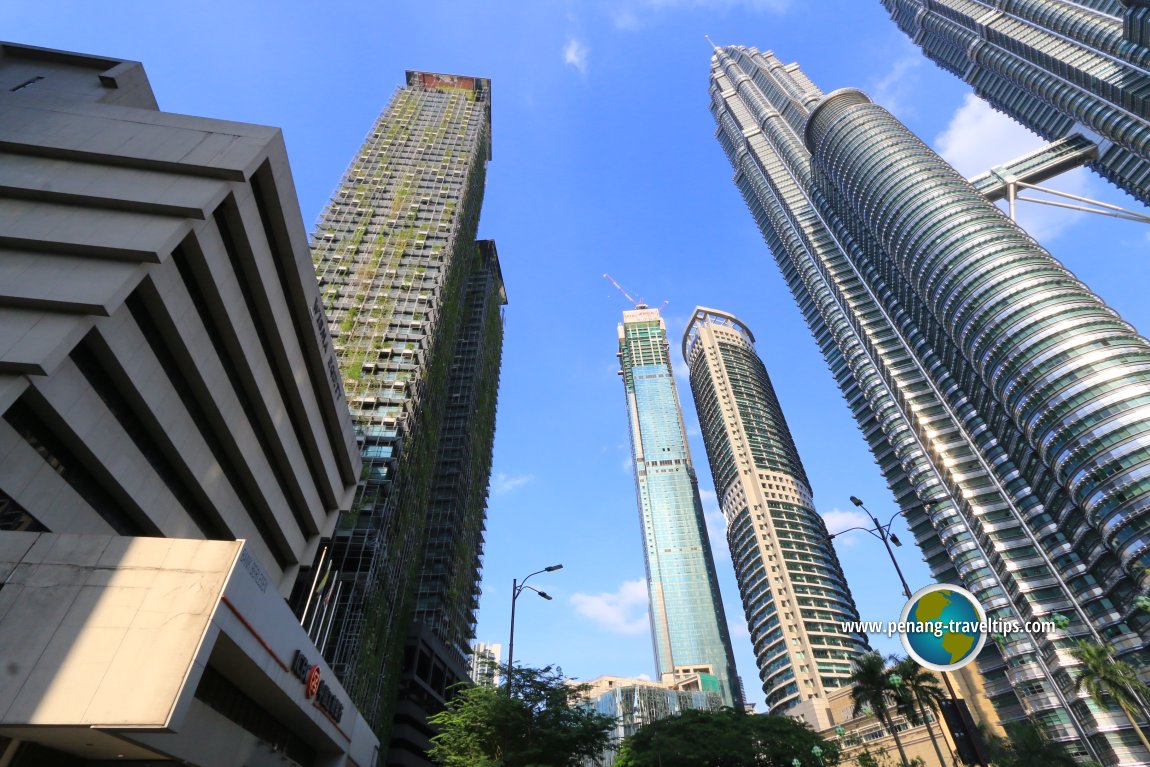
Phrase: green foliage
x=726 y=738
x=1026 y=745
x=540 y=725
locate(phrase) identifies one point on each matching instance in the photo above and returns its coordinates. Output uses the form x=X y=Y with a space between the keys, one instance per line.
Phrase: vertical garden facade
x=1005 y=404
x=396 y=255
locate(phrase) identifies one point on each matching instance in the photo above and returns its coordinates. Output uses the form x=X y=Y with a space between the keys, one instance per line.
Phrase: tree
x=871 y=688
x=918 y=697
x=1108 y=679
x=1026 y=745
x=540 y=725
x=725 y=738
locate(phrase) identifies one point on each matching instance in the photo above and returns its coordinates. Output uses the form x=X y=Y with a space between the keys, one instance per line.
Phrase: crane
x=640 y=304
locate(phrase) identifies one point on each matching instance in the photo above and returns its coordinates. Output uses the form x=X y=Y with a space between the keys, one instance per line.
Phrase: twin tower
x=792 y=586
x=1007 y=406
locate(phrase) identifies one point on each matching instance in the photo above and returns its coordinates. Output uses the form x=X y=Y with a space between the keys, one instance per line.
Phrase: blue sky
x=604 y=161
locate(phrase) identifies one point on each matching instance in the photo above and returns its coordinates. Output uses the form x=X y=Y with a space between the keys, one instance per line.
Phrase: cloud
x=631 y=14
x=893 y=90
x=575 y=53
x=979 y=138
x=502 y=483
x=837 y=519
x=623 y=611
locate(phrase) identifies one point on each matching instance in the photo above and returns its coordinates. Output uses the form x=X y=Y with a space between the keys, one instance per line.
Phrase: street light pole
x=517 y=587
x=885 y=536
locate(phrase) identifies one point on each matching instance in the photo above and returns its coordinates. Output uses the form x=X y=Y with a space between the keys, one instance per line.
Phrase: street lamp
x=883 y=533
x=818 y=753
x=796 y=762
x=517 y=587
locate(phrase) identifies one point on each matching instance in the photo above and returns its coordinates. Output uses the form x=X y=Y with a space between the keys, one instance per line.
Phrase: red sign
x=312 y=682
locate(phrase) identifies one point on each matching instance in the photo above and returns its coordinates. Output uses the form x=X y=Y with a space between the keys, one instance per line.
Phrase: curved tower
x=1057 y=67
x=794 y=593
x=1008 y=407
x=688 y=625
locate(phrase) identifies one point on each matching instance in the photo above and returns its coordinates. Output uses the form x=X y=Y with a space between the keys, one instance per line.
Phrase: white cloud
x=506 y=483
x=893 y=90
x=738 y=629
x=627 y=465
x=623 y=611
x=978 y=138
x=630 y=14
x=575 y=53
x=837 y=520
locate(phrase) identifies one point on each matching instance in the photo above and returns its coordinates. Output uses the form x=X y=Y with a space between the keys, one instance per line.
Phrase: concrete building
x=1059 y=68
x=795 y=595
x=485 y=662
x=835 y=720
x=165 y=373
x=688 y=624
x=416 y=319
x=635 y=703
x=1006 y=405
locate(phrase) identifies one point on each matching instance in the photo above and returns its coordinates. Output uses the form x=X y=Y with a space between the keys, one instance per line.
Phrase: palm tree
x=918 y=694
x=1107 y=678
x=871 y=688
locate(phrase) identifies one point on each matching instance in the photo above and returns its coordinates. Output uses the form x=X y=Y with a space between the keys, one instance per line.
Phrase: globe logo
x=943 y=627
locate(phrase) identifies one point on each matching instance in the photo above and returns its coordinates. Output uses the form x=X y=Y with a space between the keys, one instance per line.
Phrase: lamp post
x=883 y=533
x=517 y=587
x=818 y=754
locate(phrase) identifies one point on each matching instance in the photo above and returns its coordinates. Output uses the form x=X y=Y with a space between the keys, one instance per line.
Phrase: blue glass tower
x=688 y=626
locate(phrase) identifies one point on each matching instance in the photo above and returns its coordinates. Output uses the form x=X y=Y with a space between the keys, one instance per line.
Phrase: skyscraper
x=1057 y=67
x=1006 y=405
x=794 y=593
x=415 y=304
x=688 y=626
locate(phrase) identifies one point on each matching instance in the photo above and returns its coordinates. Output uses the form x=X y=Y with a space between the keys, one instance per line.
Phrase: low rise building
x=174 y=439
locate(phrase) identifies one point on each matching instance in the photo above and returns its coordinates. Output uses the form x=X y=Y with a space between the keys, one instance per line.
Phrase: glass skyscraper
x=1007 y=406
x=1058 y=67
x=416 y=321
x=794 y=593
x=688 y=625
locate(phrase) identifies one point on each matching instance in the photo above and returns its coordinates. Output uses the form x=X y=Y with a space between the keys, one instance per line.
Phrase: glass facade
x=1057 y=67
x=414 y=303
x=688 y=625
x=1006 y=404
x=794 y=593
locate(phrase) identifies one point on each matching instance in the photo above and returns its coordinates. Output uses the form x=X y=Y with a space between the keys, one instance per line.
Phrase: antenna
x=637 y=304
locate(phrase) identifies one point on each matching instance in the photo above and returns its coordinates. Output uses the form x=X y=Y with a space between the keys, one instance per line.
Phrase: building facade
x=1058 y=68
x=688 y=624
x=636 y=703
x=416 y=320
x=173 y=446
x=794 y=593
x=1006 y=405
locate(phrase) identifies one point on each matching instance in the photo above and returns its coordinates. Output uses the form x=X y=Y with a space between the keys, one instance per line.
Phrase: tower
x=794 y=593
x=1056 y=67
x=1005 y=404
x=688 y=626
x=415 y=314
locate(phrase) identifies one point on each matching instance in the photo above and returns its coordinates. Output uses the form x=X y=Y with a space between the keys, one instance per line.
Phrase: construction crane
x=640 y=304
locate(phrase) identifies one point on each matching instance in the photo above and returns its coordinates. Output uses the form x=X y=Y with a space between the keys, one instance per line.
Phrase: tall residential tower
x=688 y=626
x=794 y=593
x=1007 y=406
x=415 y=312
x=1057 y=67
